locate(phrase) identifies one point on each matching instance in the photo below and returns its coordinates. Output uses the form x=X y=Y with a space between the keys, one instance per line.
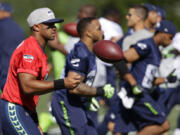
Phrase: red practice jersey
x=29 y=58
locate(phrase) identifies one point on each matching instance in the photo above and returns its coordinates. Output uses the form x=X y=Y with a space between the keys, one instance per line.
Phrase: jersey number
x=151 y=70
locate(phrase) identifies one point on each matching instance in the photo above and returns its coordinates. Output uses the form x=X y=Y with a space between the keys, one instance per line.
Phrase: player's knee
x=111 y=126
x=166 y=126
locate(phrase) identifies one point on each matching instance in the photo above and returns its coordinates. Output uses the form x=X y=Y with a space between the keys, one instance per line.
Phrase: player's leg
x=123 y=124
x=17 y=120
x=169 y=97
x=107 y=123
x=155 y=129
x=93 y=118
x=91 y=130
x=173 y=99
x=120 y=119
x=150 y=116
x=102 y=127
x=71 y=120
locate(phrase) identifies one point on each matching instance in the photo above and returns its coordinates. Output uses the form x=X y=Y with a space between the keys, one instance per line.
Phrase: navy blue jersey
x=145 y=69
x=11 y=37
x=82 y=61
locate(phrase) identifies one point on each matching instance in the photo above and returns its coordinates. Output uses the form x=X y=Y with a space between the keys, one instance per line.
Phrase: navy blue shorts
x=148 y=112
x=169 y=97
x=71 y=119
x=17 y=120
x=145 y=111
x=123 y=126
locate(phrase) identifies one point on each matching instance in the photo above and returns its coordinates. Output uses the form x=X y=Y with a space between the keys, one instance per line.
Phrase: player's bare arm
x=159 y=80
x=30 y=84
x=82 y=89
x=131 y=55
x=72 y=80
x=87 y=91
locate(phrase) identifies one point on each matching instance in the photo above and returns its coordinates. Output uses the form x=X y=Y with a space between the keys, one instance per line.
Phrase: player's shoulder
x=145 y=43
x=80 y=50
x=30 y=46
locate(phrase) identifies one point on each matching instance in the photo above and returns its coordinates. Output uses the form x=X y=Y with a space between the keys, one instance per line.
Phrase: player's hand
x=137 y=90
x=72 y=80
x=93 y=105
x=108 y=91
x=171 y=78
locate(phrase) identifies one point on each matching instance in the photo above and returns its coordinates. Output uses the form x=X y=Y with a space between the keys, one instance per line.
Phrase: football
x=108 y=51
x=70 y=29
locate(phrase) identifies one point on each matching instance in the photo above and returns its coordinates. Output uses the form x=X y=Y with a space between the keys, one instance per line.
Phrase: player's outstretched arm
x=85 y=90
x=131 y=55
x=30 y=85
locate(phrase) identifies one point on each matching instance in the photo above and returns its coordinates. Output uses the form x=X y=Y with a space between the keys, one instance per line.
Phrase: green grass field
x=43 y=107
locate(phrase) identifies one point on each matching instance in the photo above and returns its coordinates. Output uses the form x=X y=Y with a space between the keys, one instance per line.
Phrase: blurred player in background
x=58 y=51
x=136 y=18
x=87 y=10
x=105 y=72
x=11 y=35
x=27 y=73
x=152 y=17
x=148 y=117
x=168 y=92
x=110 y=23
x=161 y=13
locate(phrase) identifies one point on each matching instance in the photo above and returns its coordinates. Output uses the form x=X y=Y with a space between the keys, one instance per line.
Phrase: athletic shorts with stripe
x=71 y=119
x=17 y=120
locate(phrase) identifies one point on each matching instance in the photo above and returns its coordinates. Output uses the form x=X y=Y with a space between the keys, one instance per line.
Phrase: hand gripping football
x=108 y=51
x=71 y=29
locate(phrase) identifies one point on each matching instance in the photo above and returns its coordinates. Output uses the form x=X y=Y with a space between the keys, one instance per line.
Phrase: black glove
x=171 y=78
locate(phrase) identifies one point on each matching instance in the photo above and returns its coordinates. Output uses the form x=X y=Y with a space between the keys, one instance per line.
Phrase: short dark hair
x=141 y=11
x=90 y=10
x=111 y=11
x=83 y=23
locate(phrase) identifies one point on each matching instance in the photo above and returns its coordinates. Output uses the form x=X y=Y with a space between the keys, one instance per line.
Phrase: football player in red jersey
x=27 y=71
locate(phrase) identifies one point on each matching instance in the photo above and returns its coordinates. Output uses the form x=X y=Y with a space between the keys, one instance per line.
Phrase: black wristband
x=121 y=67
x=99 y=91
x=59 y=84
